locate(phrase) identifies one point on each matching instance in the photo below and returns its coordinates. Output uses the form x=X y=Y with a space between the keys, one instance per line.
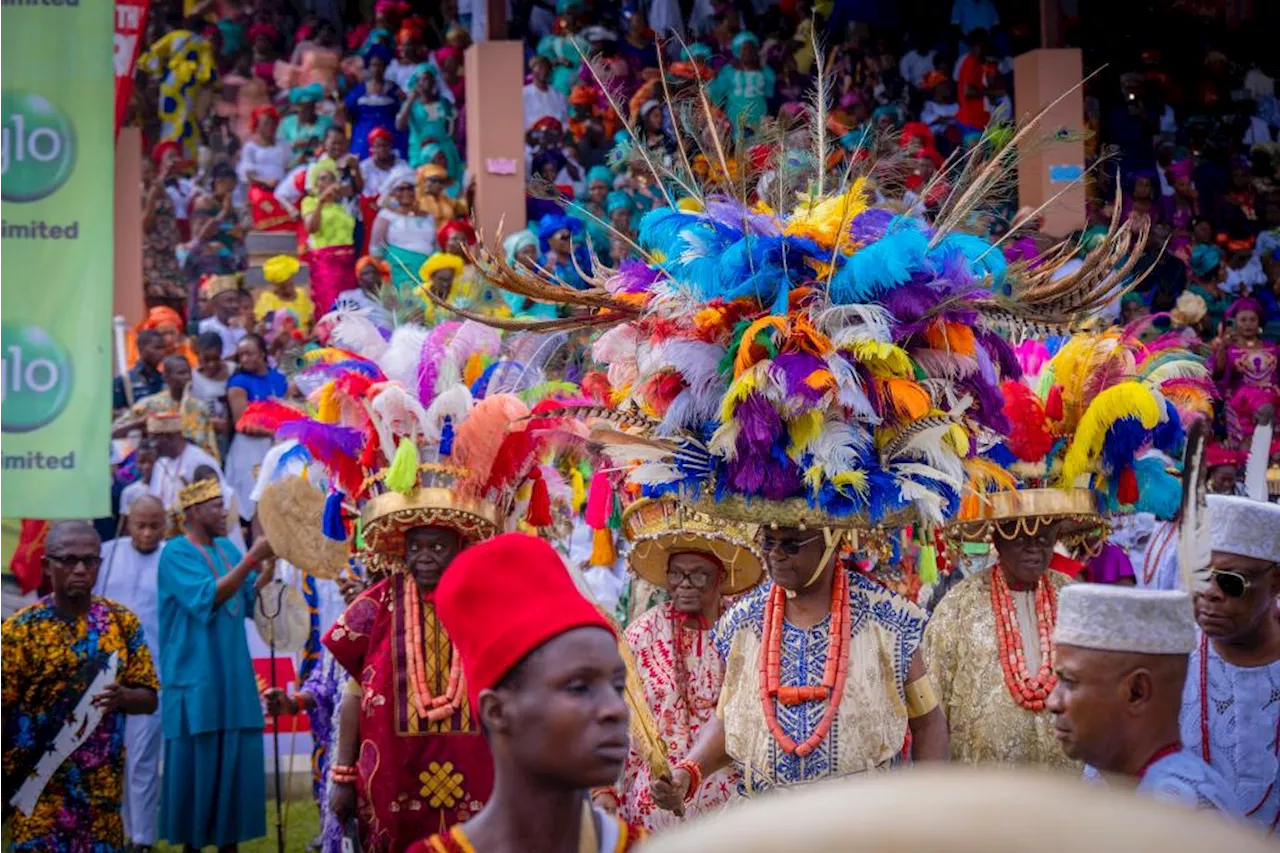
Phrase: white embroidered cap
x=1125 y=619
x=1244 y=527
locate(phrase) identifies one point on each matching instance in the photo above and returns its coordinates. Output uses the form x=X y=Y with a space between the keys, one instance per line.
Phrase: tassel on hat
x=577 y=491
x=599 y=501
x=402 y=476
x=602 y=551
x=331 y=524
x=539 y=512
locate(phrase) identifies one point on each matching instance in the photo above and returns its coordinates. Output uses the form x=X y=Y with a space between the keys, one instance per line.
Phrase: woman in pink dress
x=1247 y=368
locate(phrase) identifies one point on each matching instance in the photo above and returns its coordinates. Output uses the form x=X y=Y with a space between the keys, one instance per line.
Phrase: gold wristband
x=920 y=697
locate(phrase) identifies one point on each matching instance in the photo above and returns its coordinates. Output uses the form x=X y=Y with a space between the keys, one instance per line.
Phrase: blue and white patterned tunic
x=871 y=724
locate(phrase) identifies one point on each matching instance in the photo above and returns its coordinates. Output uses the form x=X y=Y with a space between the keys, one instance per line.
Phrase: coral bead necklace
x=1028 y=691
x=834 y=671
x=428 y=708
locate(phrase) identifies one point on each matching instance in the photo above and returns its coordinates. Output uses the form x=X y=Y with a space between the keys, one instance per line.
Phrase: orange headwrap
x=159 y=317
x=383 y=268
x=261 y=112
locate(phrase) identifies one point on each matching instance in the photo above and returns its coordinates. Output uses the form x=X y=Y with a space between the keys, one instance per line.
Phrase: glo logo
x=37 y=147
x=36 y=381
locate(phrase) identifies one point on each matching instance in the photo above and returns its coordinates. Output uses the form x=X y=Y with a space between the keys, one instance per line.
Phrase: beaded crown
x=199 y=492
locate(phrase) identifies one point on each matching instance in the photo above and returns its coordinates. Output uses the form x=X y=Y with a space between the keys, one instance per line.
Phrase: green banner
x=57 y=117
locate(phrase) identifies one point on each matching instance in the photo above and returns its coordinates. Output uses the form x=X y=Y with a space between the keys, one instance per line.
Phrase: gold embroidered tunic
x=960 y=648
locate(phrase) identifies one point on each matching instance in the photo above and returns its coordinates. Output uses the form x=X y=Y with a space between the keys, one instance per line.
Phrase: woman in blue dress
x=375 y=103
x=255 y=379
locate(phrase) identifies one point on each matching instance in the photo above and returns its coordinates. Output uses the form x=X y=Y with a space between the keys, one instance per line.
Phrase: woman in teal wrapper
x=566 y=48
x=745 y=86
x=214 y=783
x=429 y=119
x=304 y=128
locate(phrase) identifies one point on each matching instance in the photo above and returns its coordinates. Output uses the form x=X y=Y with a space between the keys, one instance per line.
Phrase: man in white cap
x=1121 y=662
x=1231 y=703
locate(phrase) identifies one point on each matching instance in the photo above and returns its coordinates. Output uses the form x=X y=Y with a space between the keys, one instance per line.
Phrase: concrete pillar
x=1047 y=169
x=128 y=291
x=495 y=135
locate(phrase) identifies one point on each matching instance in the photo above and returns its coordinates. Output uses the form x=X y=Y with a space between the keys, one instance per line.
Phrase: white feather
x=1194 y=550
x=472 y=337
x=399 y=361
x=455 y=403
x=1255 y=468
x=849 y=391
x=838 y=447
x=928 y=445
x=848 y=323
x=396 y=412
x=654 y=473
x=357 y=333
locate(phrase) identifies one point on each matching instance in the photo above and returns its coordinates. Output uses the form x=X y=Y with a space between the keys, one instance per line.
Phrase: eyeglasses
x=70 y=561
x=1232 y=584
x=789 y=546
x=701 y=580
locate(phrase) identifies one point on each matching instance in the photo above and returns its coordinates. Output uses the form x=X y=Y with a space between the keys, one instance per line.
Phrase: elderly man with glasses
x=1231 y=701
x=74 y=666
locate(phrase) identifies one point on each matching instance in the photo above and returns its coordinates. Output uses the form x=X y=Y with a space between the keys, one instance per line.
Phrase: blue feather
x=1159 y=492
x=331 y=524
x=1168 y=434
x=297 y=453
x=881 y=266
x=983 y=260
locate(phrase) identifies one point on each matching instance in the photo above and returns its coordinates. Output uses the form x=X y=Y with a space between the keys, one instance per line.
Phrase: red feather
x=267 y=416
x=1029 y=437
x=1127 y=487
x=596 y=386
x=662 y=389
x=1053 y=405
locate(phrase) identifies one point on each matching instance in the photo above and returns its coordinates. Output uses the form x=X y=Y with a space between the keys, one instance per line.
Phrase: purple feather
x=1001 y=351
x=734 y=214
x=323 y=441
x=988 y=407
x=795 y=367
x=870 y=225
x=433 y=352
x=633 y=277
x=760 y=424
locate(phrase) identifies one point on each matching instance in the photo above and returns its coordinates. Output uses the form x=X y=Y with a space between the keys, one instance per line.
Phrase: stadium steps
x=267 y=244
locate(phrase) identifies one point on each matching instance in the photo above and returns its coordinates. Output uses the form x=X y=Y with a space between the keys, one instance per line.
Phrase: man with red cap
x=546 y=680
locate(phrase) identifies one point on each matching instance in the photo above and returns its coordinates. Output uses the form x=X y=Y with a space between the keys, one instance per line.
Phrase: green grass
x=302 y=823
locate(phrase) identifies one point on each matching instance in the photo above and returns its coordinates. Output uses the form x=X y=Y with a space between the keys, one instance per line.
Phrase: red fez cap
x=504 y=598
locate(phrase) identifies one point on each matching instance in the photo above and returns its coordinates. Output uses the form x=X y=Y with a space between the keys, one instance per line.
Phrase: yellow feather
x=803 y=430
x=882 y=359
x=1128 y=399
x=474 y=369
x=856 y=480
x=826 y=221
x=738 y=391
x=328 y=411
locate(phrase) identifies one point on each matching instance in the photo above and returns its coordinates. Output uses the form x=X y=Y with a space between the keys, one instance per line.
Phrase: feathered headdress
x=1098 y=404
x=815 y=358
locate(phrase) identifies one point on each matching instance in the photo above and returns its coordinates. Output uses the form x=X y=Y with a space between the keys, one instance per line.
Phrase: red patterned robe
x=416 y=778
x=682 y=675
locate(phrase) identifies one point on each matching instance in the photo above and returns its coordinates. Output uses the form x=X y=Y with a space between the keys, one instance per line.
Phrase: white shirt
x=373 y=175
x=231 y=335
x=411 y=233
x=914 y=65
x=129 y=577
x=400 y=73
x=934 y=113
x=539 y=104
x=180 y=193
x=290 y=191
x=171 y=475
x=267 y=162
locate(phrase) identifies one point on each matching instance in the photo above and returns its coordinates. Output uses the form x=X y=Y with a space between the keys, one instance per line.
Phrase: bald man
x=69 y=647
x=128 y=576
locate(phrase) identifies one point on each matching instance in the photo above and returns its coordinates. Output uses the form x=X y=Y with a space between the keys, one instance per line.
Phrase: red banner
x=286 y=679
x=131 y=23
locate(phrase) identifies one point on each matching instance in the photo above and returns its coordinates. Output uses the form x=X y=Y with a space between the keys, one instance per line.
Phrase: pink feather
x=433 y=352
x=480 y=436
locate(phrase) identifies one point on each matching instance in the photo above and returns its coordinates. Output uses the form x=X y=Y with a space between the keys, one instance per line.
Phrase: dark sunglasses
x=70 y=561
x=1232 y=584
x=789 y=546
